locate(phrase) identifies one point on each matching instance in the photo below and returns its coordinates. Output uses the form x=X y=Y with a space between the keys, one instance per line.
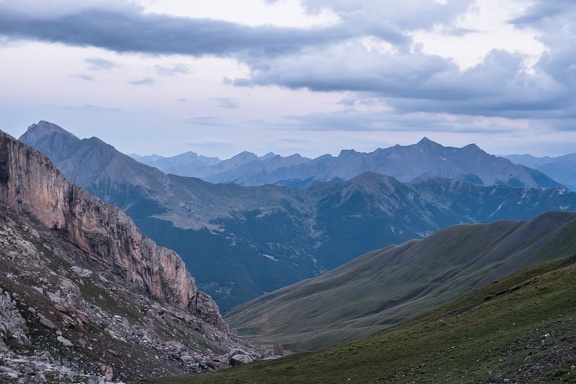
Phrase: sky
x=293 y=76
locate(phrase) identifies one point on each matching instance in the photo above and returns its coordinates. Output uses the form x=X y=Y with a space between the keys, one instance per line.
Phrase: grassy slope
x=521 y=328
x=391 y=285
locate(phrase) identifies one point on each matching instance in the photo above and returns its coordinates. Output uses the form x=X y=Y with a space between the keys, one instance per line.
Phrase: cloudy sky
x=293 y=76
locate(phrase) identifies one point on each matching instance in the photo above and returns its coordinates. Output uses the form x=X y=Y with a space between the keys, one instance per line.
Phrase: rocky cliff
x=29 y=183
x=82 y=289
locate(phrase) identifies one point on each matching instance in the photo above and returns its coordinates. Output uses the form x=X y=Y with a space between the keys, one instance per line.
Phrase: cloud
x=124 y=27
x=129 y=29
x=226 y=102
x=500 y=85
x=177 y=69
x=554 y=22
x=99 y=64
x=542 y=12
x=350 y=66
x=143 y=81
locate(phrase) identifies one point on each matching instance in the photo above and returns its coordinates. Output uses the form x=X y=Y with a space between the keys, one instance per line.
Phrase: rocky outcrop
x=12 y=325
x=29 y=183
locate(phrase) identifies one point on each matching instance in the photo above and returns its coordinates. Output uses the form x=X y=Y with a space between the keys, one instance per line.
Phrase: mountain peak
x=269 y=155
x=473 y=146
x=52 y=140
x=244 y=155
x=348 y=153
x=44 y=128
x=427 y=142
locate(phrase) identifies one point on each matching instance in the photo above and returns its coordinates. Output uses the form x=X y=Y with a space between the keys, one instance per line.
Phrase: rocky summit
x=85 y=297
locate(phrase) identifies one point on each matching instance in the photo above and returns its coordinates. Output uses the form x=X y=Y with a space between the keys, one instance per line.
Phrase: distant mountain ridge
x=561 y=168
x=405 y=163
x=241 y=242
x=185 y=164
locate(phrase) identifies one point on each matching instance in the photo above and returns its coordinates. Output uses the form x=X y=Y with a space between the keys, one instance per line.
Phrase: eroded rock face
x=30 y=183
x=86 y=295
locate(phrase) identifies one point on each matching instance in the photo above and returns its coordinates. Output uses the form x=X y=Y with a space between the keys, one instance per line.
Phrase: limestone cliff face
x=30 y=183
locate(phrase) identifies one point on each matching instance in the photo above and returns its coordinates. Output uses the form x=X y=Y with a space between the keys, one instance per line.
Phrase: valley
x=241 y=242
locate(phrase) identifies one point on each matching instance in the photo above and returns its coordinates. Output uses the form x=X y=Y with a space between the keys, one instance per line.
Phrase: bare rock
x=240 y=359
x=47 y=323
x=65 y=341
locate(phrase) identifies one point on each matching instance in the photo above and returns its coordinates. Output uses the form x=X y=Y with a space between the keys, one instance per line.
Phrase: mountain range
x=241 y=242
x=406 y=163
x=83 y=291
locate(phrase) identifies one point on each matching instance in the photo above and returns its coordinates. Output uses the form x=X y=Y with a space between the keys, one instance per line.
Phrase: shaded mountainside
x=241 y=242
x=518 y=329
x=83 y=289
x=388 y=286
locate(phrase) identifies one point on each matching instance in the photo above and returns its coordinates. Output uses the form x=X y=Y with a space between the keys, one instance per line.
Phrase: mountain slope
x=82 y=280
x=387 y=286
x=519 y=329
x=241 y=242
